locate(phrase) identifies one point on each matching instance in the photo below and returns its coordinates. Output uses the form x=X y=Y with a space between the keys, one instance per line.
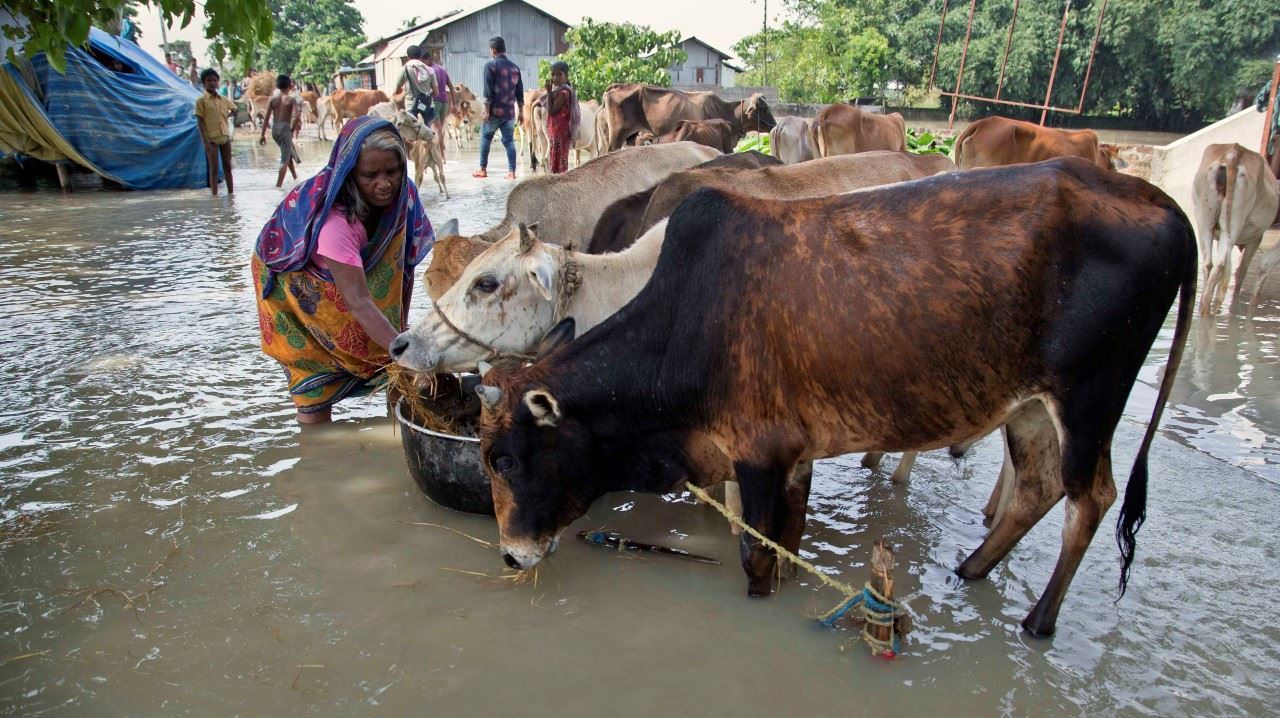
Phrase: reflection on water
x=171 y=543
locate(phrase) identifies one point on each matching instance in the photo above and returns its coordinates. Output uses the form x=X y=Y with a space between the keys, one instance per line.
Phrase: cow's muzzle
x=524 y=556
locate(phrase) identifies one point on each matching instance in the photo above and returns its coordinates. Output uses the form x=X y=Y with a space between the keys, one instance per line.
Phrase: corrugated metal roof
x=467 y=10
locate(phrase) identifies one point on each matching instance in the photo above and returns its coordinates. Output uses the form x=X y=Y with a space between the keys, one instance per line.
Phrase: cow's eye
x=503 y=463
x=486 y=284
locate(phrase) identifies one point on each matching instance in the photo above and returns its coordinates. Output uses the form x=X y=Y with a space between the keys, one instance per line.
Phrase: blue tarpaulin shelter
x=134 y=124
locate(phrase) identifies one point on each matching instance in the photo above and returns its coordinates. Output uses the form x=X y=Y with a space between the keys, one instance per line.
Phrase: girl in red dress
x=562 y=116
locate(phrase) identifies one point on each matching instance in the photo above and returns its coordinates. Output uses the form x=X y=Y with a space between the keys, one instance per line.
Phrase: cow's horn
x=489 y=396
x=526 y=239
x=483 y=367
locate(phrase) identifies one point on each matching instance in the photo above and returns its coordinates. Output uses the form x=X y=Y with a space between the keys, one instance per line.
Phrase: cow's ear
x=448 y=229
x=543 y=406
x=542 y=273
x=559 y=335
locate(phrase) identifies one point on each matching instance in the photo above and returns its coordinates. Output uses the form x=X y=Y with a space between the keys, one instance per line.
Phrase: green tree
x=830 y=54
x=312 y=38
x=602 y=53
x=53 y=25
x=181 y=51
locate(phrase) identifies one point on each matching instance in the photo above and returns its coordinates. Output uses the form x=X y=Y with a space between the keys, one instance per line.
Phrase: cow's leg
x=998 y=502
x=1036 y=487
x=1241 y=272
x=767 y=496
x=1087 y=427
x=903 y=472
x=871 y=460
x=797 y=507
x=958 y=451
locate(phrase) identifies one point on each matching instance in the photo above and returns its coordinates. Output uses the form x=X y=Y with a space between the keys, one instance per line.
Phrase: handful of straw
x=419 y=391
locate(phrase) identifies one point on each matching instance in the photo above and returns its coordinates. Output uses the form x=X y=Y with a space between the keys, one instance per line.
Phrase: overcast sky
x=719 y=22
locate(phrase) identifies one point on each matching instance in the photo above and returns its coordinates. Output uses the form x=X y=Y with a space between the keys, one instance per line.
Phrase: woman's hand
x=355 y=292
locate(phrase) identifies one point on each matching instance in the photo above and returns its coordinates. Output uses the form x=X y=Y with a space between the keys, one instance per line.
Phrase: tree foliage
x=602 y=53
x=53 y=25
x=1165 y=62
x=830 y=54
x=312 y=39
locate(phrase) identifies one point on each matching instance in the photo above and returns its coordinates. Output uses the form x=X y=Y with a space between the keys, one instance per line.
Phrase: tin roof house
x=460 y=39
x=705 y=68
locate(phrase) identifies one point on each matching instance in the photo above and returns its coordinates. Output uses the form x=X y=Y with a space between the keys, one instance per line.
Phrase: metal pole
x=937 y=47
x=1053 y=73
x=1013 y=22
x=1092 y=53
x=764 y=29
x=955 y=100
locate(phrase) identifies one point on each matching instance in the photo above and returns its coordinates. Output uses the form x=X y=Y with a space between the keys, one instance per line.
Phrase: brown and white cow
x=719 y=134
x=636 y=107
x=1236 y=198
x=789 y=140
x=584 y=135
x=744 y=336
x=995 y=141
x=845 y=130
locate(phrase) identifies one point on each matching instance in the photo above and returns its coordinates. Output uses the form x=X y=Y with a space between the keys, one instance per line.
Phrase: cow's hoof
x=1035 y=628
x=970 y=573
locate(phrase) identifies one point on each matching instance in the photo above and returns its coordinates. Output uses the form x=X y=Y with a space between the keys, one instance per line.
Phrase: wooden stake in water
x=882 y=562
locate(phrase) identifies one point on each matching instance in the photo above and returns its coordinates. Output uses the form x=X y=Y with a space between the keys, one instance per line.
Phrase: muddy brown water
x=172 y=544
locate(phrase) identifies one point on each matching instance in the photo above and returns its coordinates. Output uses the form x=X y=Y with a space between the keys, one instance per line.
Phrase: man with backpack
x=422 y=85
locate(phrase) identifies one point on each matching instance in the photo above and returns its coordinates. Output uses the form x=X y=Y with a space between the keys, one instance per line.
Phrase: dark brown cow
x=745 y=336
x=719 y=134
x=620 y=224
x=995 y=141
x=845 y=130
x=635 y=107
x=355 y=103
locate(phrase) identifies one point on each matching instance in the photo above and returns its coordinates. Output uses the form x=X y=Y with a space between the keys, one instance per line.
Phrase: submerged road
x=172 y=543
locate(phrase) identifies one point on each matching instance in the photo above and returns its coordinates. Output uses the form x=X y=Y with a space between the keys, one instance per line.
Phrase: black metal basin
x=446 y=466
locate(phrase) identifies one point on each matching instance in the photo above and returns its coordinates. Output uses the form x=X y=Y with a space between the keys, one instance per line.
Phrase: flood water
x=171 y=543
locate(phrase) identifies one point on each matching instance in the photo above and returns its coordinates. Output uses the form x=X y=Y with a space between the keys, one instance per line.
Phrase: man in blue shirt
x=503 y=108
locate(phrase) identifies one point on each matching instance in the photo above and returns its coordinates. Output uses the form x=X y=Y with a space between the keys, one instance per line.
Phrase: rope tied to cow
x=570 y=282
x=877 y=610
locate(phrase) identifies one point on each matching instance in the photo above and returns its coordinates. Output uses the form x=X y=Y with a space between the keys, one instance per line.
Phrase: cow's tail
x=816 y=138
x=1225 y=182
x=1133 y=512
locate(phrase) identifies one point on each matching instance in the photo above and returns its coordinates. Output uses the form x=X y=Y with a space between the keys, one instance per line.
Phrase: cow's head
x=645 y=138
x=538 y=458
x=756 y=115
x=504 y=302
x=1109 y=157
x=411 y=127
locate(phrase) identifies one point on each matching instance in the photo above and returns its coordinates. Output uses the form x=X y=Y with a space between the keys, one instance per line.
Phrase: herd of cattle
x=670 y=312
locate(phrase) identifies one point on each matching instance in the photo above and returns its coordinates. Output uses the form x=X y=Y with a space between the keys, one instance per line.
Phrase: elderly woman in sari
x=333 y=269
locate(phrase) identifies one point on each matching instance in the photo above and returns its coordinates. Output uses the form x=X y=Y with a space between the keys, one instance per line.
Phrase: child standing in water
x=562 y=116
x=212 y=110
x=282 y=114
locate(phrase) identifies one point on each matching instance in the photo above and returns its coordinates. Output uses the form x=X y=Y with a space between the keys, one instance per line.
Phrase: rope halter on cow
x=570 y=280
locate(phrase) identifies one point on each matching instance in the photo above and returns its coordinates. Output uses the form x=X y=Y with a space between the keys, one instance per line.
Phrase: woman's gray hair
x=349 y=199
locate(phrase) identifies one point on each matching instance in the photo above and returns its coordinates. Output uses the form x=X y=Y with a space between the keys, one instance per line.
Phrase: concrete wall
x=1173 y=166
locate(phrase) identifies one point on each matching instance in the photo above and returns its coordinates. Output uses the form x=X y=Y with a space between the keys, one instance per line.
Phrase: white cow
x=584 y=135
x=1235 y=198
x=325 y=113
x=789 y=140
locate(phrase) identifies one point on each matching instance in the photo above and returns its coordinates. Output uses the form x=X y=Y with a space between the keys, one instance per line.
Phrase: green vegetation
x=602 y=53
x=1166 y=63
x=56 y=24
x=924 y=142
x=312 y=39
x=758 y=141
